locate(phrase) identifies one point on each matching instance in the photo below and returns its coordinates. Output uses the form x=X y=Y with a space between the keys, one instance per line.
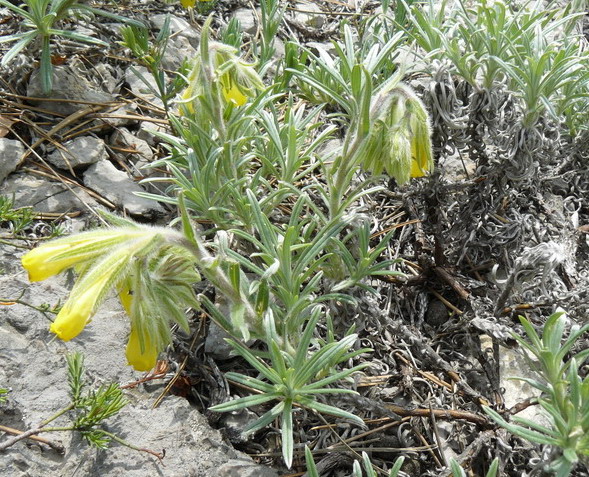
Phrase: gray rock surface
x=136 y=77
x=457 y=167
x=244 y=468
x=309 y=14
x=45 y=195
x=119 y=188
x=247 y=20
x=514 y=363
x=79 y=152
x=124 y=139
x=34 y=368
x=215 y=344
x=115 y=118
x=179 y=49
x=147 y=131
x=68 y=83
x=183 y=41
x=178 y=27
x=11 y=151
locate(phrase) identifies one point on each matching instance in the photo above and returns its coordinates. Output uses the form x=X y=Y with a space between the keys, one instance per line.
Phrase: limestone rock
x=247 y=20
x=34 y=369
x=67 y=84
x=147 y=131
x=310 y=15
x=179 y=49
x=45 y=195
x=122 y=138
x=244 y=468
x=10 y=153
x=79 y=152
x=178 y=27
x=119 y=188
x=136 y=77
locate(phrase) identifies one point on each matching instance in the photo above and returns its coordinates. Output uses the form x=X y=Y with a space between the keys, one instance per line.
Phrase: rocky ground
x=442 y=338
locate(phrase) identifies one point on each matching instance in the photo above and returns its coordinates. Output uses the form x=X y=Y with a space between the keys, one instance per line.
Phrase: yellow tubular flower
x=422 y=161
x=76 y=313
x=421 y=146
x=126 y=297
x=416 y=170
x=188 y=3
x=234 y=95
x=38 y=262
x=55 y=257
x=141 y=360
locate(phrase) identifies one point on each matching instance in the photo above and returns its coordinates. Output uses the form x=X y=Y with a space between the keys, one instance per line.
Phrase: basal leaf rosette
x=154 y=280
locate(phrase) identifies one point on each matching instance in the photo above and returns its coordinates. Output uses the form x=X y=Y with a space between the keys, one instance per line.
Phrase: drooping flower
x=225 y=77
x=153 y=277
x=421 y=149
x=400 y=151
x=142 y=350
x=141 y=358
x=399 y=140
x=104 y=256
x=153 y=294
x=77 y=312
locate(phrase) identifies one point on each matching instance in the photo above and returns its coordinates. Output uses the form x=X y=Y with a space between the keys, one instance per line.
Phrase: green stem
x=209 y=77
x=55 y=416
x=344 y=171
x=114 y=437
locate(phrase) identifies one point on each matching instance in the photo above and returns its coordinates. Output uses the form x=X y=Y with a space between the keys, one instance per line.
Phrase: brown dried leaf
x=5 y=125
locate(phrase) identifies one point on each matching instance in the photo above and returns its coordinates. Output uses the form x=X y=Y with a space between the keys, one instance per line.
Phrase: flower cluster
x=227 y=76
x=153 y=278
x=399 y=140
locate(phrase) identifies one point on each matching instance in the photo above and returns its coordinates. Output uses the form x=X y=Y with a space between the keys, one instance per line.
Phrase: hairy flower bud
x=399 y=139
x=398 y=164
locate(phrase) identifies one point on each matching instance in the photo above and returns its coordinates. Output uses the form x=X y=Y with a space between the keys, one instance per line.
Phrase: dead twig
x=56 y=446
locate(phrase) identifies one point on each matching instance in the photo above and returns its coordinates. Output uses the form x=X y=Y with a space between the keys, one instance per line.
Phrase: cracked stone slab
x=143 y=84
x=248 y=21
x=123 y=138
x=34 y=369
x=178 y=27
